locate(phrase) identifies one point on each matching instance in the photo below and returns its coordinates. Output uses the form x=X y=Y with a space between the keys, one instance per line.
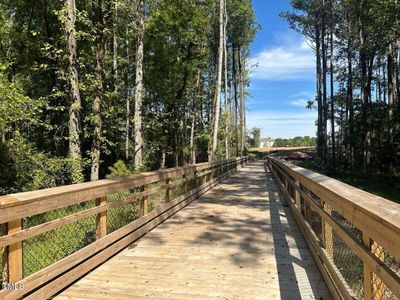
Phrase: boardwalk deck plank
x=237 y=241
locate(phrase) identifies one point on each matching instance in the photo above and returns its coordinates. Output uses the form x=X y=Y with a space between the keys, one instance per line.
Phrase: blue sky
x=284 y=76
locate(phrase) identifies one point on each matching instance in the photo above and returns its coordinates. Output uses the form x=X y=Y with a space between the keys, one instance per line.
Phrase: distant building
x=267 y=143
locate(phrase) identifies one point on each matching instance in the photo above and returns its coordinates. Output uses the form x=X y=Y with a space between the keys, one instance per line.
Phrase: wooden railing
x=354 y=236
x=175 y=187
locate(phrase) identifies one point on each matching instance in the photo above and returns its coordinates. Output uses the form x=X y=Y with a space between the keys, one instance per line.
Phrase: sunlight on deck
x=237 y=241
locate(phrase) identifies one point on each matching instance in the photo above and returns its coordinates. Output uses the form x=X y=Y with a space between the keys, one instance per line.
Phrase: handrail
x=330 y=213
x=192 y=181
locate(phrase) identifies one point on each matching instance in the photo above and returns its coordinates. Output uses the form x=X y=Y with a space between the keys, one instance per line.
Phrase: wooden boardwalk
x=237 y=241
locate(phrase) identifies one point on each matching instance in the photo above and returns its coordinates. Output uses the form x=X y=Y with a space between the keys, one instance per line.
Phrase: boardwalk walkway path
x=238 y=241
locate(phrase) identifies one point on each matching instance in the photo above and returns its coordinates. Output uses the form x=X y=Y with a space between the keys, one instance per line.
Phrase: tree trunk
x=366 y=77
x=242 y=103
x=235 y=97
x=350 y=135
x=217 y=95
x=392 y=95
x=332 y=95
x=96 y=108
x=320 y=136
x=324 y=86
x=138 y=156
x=73 y=82
x=192 y=154
x=227 y=116
x=128 y=102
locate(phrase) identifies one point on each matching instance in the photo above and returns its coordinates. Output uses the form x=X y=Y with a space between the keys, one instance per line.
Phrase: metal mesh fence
x=379 y=289
x=42 y=250
x=349 y=265
x=122 y=215
x=346 y=261
x=45 y=249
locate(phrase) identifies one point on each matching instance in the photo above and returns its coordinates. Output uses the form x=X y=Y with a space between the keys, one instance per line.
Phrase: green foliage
x=180 y=51
x=297 y=141
x=26 y=168
x=118 y=169
x=254 y=141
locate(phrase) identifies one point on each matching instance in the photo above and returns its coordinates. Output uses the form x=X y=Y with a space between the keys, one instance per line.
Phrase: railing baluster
x=297 y=195
x=101 y=219
x=15 y=263
x=185 y=183
x=367 y=271
x=168 y=190
x=143 y=202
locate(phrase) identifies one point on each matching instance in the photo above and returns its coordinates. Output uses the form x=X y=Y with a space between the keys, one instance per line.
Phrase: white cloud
x=303 y=94
x=299 y=102
x=283 y=124
x=291 y=60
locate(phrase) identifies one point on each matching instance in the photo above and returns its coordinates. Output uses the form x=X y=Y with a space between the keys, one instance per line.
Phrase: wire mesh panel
x=77 y=226
x=156 y=200
x=47 y=248
x=122 y=215
x=349 y=264
x=379 y=289
x=353 y=274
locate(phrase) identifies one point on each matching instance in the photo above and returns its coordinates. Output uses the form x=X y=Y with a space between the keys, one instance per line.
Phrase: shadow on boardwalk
x=237 y=241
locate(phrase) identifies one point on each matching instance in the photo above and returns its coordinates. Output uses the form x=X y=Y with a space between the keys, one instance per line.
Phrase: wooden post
x=185 y=183
x=327 y=232
x=143 y=202
x=168 y=190
x=297 y=195
x=307 y=211
x=101 y=219
x=196 y=179
x=367 y=271
x=15 y=269
x=4 y=257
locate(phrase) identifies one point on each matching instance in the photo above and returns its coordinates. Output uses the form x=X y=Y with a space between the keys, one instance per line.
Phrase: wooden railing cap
x=383 y=210
x=40 y=195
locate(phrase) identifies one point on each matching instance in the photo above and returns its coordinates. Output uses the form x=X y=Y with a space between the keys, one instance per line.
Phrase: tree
x=363 y=42
x=256 y=133
x=106 y=80
x=99 y=23
x=138 y=159
x=217 y=96
x=73 y=81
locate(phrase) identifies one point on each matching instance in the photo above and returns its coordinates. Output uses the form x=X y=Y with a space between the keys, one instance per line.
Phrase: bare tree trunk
x=324 y=85
x=366 y=78
x=332 y=94
x=73 y=82
x=350 y=101
x=96 y=108
x=217 y=95
x=227 y=116
x=392 y=95
x=235 y=98
x=163 y=156
x=115 y=46
x=242 y=103
x=192 y=155
x=138 y=156
x=320 y=136
x=128 y=102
